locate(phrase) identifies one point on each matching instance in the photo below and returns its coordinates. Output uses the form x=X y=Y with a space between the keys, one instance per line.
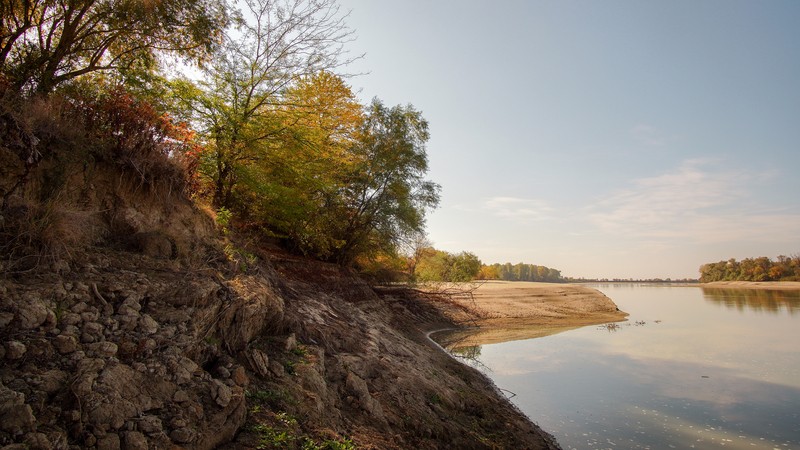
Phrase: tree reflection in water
x=773 y=301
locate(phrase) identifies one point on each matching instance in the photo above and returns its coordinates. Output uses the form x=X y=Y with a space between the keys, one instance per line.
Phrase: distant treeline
x=631 y=280
x=520 y=272
x=430 y=264
x=785 y=268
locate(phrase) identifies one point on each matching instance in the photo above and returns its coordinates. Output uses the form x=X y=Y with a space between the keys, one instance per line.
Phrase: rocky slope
x=148 y=329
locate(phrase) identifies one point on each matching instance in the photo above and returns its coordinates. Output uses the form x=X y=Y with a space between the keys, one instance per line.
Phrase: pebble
x=15 y=350
x=65 y=343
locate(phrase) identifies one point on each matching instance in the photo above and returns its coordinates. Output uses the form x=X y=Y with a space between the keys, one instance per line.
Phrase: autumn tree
x=488 y=273
x=752 y=269
x=44 y=43
x=295 y=189
x=237 y=104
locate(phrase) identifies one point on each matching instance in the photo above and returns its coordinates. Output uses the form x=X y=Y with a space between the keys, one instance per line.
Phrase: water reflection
x=468 y=352
x=703 y=377
x=772 y=301
x=451 y=339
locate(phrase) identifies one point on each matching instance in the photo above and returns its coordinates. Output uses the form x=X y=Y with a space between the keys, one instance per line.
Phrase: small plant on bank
x=224 y=216
x=329 y=444
x=270 y=437
x=264 y=396
x=300 y=351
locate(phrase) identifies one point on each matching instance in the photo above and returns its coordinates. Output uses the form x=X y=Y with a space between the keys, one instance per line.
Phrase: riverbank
x=500 y=311
x=768 y=285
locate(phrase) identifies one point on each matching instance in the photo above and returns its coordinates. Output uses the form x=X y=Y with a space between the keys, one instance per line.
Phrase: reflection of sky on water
x=703 y=377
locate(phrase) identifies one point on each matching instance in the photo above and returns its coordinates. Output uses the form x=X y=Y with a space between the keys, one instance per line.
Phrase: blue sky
x=602 y=138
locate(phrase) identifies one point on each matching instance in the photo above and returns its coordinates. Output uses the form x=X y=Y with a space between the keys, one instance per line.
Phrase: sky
x=608 y=139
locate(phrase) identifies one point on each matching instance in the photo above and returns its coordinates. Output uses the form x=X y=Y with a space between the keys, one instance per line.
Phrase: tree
x=415 y=248
x=236 y=106
x=489 y=272
x=433 y=265
x=44 y=43
x=438 y=265
x=465 y=267
x=387 y=194
x=295 y=189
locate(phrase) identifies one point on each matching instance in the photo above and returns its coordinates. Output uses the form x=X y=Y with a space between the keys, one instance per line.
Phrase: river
x=692 y=368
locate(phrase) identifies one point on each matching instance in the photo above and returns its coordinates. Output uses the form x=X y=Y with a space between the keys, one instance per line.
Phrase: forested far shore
x=520 y=272
x=784 y=268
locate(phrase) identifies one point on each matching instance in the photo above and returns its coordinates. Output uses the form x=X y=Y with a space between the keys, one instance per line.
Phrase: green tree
x=44 y=43
x=387 y=195
x=433 y=265
x=465 y=267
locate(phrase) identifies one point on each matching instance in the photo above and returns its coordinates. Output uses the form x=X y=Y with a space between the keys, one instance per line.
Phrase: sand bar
x=505 y=311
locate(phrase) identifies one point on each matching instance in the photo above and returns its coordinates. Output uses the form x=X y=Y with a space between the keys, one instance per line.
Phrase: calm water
x=706 y=369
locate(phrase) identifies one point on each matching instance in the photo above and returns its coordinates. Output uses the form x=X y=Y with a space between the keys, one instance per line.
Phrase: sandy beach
x=771 y=285
x=503 y=311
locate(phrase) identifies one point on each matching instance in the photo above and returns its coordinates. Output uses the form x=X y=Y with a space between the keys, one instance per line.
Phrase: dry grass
x=37 y=234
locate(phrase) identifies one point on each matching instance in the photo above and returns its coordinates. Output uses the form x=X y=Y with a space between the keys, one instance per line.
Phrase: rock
x=39 y=348
x=259 y=361
x=148 y=345
x=103 y=349
x=133 y=440
x=150 y=424
x=79 y=307
x=88 y=371
x=92 y=332
x=109 y=442
x=276 y=368
x=358 y=387
x=221 y=393
x=52 y=381
x=182 y=435
x=180 y=397
x=182 y=370
x=15 y=416
x=65 y=343
x=130 y=306
x=5 y=319
x=51 y=320
x=177 y=422
x=239 y=376
x=222 y=372
x=147 y=324
x=31 y=312
x=37 y=441
x=15 y=350
x=255 y=306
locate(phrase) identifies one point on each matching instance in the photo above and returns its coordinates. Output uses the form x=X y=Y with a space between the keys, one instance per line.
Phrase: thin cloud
x=518 y=208
x=694 y=203
x=648 y=135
